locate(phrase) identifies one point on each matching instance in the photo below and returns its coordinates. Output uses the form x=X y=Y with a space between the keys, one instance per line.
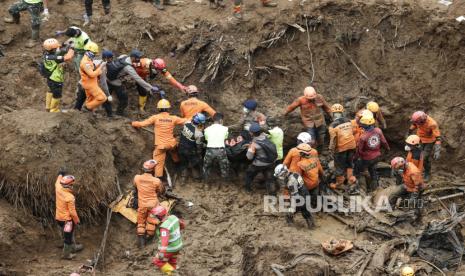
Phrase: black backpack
x=114 y=67
x=270 y=150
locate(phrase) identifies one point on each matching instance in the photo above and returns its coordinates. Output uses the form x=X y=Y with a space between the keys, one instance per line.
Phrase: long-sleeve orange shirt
x=192 y=106
x=65 y=203
x=148 y=188
x=311 y=112
x=310 y=169
x=428 y=132
x=89 y=72
x=163 y=127
x=412 y=178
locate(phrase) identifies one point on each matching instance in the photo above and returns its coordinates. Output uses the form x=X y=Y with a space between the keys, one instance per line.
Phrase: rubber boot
x=140 y=241
x=167 y=269
x=339 y=182
x=34 y=38
x=48 y=101
x=310 y=222
x=213 y=5
x=106 y=9
x=14 y=19
x=68 y=252
x=77 y=247
x=142 y=102
x=290 y=218
x=55 y=105
x=170 y=3
x=87 y=19
x=350 y=176
x=238 y=12
x=270 y=4
x=373 y=184
x=158 y=4
x=426 y=176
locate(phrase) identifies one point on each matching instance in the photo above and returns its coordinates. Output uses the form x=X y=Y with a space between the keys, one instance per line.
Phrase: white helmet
x=304 y=137
x=280 y=171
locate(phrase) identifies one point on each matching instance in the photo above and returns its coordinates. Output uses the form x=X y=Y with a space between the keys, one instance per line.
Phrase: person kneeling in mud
x=294 y=188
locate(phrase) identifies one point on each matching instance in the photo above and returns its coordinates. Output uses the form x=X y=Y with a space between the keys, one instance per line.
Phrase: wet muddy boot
x=68 y=252
x=106 y=9
x=87 y=19
x=13 y=19
x=77 y=248
x=339 y=183
x=140 y=241
x=310 y=222
x=158 y=4
x=269 y=4
x=213 y=4
x=34 y=38
x=426 y=176
x=170 y=2
x=290 y=218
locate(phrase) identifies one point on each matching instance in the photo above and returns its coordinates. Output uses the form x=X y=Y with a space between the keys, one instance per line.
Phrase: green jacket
x=80 y=41
x=175 y=241
x=54 y=64
x=277 y=137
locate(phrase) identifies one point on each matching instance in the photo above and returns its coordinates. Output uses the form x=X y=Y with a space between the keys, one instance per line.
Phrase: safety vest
x=277 y=137
x=33 y=1
x=58 y=72
x=175 y=241
x=143 y=67
x=80 y=41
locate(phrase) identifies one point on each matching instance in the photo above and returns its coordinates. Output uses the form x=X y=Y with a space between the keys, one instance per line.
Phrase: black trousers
x=343 y=161
x=88 y=5
x=189 y=159
x=361 y=165
x=122 y=97
x=80 y=97
x=67 y=237
x=56 y=88
x=253 y=171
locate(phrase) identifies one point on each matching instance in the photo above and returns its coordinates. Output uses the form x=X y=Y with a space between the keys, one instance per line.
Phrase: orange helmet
x=397 y=163
x=191 y=89
x=159 y=64
x=159 y=211
x=413 y=140
x=304 y=148
x=67 y=180
x=419 y=117
x=149 y=165
x=337 y=108
x=51 y=44
x=310 y=93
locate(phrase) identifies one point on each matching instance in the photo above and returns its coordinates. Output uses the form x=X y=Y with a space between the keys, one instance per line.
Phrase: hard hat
x=367 y=120
x=91 y=47
x=159 y=211
x=304 y=137
x=407 y=271
x=366 y=113
x=163 y=104
x=419 y=117
x=397 y=162
x=51 y=44
x=413 y=140
x=373 y=107
x=304 y=148
x=280 y=170
x=136 y=54
x=337 y=108
x=251 y=104
x=159 y=64
x=149 y=165
x=107 y=53
x=310 y=92
x=67 y=180
x=255 y=127
x=199 y=118
x=191 y=89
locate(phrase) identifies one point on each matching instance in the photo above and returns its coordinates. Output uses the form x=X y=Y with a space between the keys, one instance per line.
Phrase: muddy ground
x=403 y=54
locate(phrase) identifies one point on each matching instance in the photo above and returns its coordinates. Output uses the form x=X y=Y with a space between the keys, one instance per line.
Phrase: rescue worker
x=34 y=7
x=238 y=9
x=276 y=136
x=54 y=60
x=313 y=107
x=65 y=214
x=164 y=142
x=148 y=188
x=357 y=129
x=169 y=240
x=160 y=66
x=293 y=156
x=342 y=146
x=88 y=5
x=294 y=186
x=250 y=115
x=262 y=152
x=90 y=72
x=428 y=131
x=191 y=145
x=309 y=167
x=145 y=70
x=377 y=114
x=117 y=71
x=415 y=154
x=412 y=182
x=215 y=135
x=369 y=150
x=193 y=105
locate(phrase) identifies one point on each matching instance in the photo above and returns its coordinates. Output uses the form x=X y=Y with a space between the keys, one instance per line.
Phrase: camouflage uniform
x=212 y=155
x=33 y=9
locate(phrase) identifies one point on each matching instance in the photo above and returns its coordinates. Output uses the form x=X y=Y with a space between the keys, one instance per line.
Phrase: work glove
x=45 y=15
x=436 y=151
x=110 y=98
x=62 y=171
x=155 y=89
x=59 y=33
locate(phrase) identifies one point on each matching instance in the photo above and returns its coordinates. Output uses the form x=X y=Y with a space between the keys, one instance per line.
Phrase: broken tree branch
x=364 y=265
x=353 y=62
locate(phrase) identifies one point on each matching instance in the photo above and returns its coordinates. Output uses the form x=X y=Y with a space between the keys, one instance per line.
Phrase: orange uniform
x=148 y=188
x=89 y=81
x=310 y=169
x=412 y=178
x=143 y=67
x=192 y=106
x=357 y=130
x=65 y=203
x=163 y=127
x=418 y=163
x=428 y=132
x=293 y=157
x=341 y=134
x=311 y=112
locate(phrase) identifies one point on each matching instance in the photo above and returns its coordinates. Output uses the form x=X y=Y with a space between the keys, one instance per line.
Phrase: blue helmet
x=199 y=118
x=251 y=104
x=136 y=54
x=255 y=128
x=107 y=54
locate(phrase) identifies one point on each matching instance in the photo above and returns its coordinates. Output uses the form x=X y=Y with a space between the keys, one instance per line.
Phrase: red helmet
x=149 y=165
x=159 y=64
x=419 y=117
x=397 y=163
x=67 y=180
x=159 y=211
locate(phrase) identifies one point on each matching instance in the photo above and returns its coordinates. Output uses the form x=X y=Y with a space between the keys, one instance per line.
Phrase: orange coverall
x=293 y=157
x=412 y=177
x=148 y=188
x=65 y=203
x=192 y=106
x=163 y=127
x=310 y=169
x=89 y=81
x=418 y=163
x=428 y=132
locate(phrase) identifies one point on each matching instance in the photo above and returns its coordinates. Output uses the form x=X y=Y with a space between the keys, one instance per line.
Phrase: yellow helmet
x=407 y=271
x=366 y=113
x=373 y=107
x=337 y=108
x=367 y=120
x=91 y=47
x=163 y=104
x=51 y=44
x=413 y=140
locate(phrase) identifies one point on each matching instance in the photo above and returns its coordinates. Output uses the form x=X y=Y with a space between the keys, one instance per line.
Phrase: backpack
x=115 y=67
x=270 y=150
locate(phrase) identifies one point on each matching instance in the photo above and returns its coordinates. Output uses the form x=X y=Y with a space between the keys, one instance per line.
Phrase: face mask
x=407 y=148
x=245 y=110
